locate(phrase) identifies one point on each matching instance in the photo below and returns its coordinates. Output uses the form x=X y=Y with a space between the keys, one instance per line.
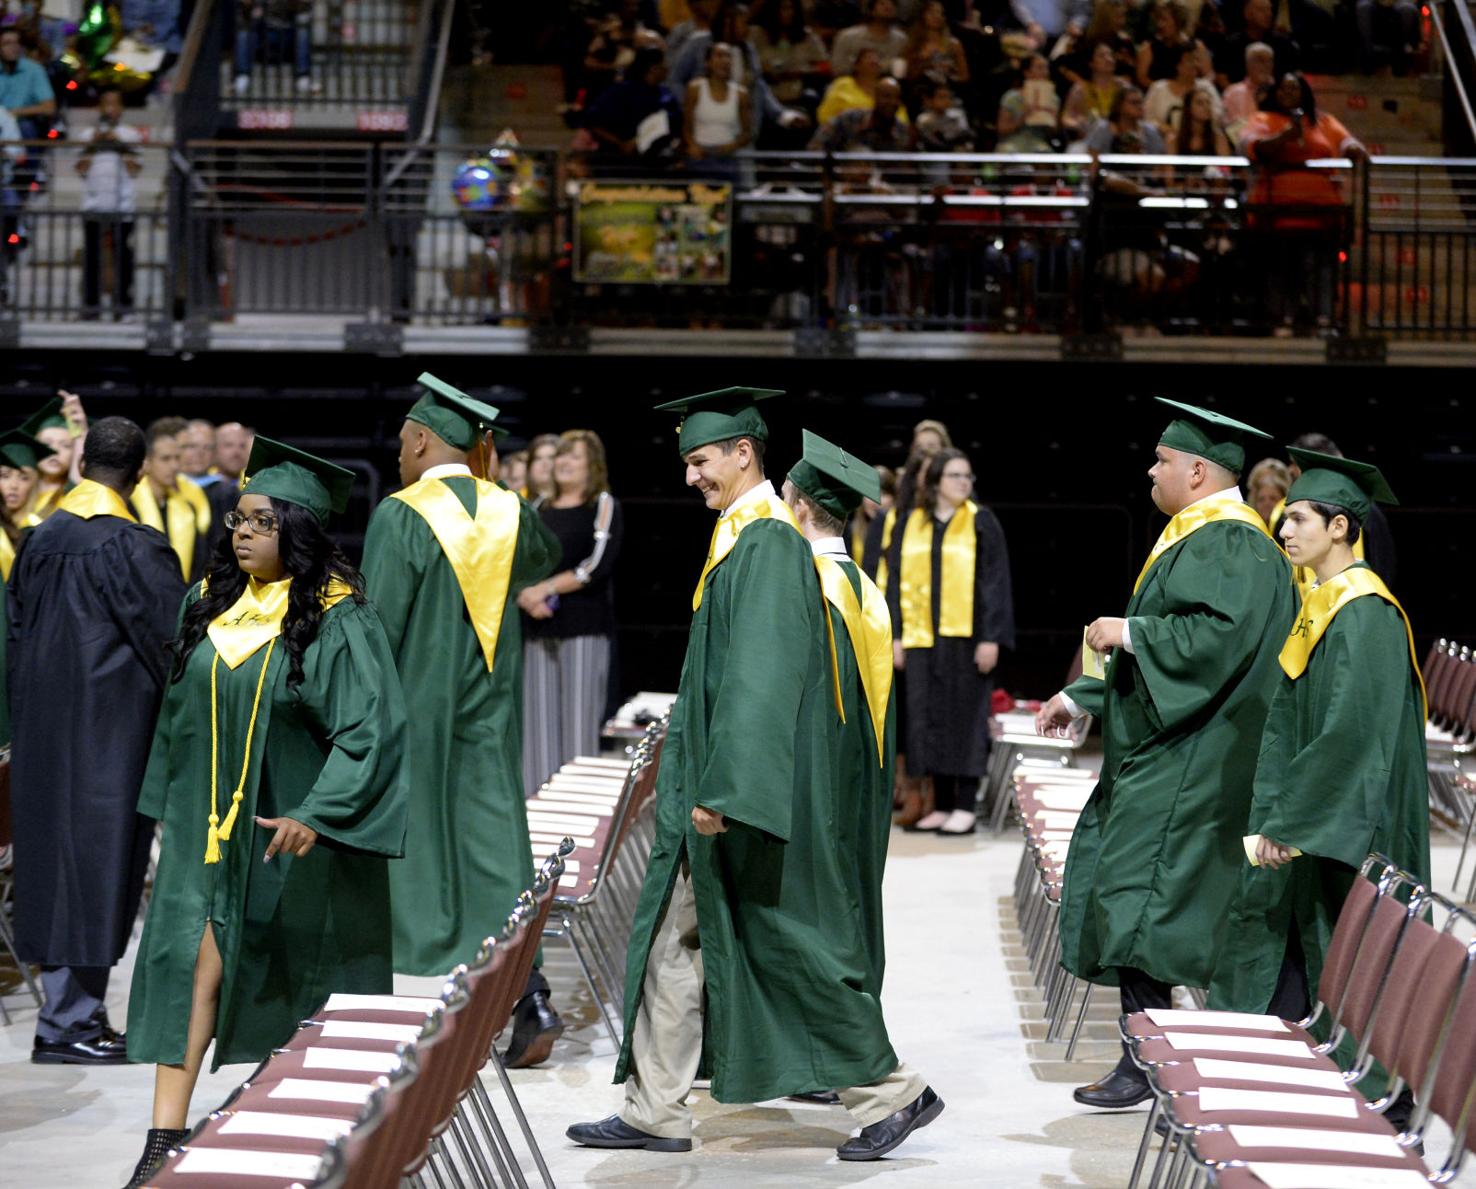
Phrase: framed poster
x=653 y=233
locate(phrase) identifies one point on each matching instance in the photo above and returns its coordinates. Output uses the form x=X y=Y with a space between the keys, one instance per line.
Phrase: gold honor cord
x=221 y=832
x=89 y=499
x=956 y=601
x=869 y=625
x=1194 y=518
x=725 y=535
x=1321 y=607
x=480 y=548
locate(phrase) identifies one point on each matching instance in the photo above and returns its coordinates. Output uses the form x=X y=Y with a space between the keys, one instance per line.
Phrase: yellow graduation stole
x=1194 y=518
x=7 y=557
x=1304 y=576
x=869 y=625
x=1320 y=608
x=89 y=499
x=857 y=543
x=888 y=524
x=480 y=548
x=956 y=604
x=187 y=515
x=725 y=535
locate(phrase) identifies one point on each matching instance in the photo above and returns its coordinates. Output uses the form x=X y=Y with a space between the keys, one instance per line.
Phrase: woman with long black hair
x=276 y=772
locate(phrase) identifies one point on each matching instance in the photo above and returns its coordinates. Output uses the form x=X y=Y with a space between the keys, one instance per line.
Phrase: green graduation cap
x=835 y=480
x=48 y=416
x=717 y=416
x=1210 y=435
x=455 y=418
x=287 y=473
x=20 y=449
x=1341 y=482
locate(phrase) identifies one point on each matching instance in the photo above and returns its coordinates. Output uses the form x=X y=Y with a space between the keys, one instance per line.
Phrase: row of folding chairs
x=608 y=807
x=1257 y=1102
x=376 y=1091
x=1450 y=740
x=1013 y=745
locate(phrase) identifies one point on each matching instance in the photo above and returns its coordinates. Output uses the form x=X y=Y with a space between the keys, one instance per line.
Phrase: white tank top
x=715 y=123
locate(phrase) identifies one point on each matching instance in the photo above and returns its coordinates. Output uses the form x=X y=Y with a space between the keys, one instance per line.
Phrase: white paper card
x=1169 y=1018
x=314 y=1091
x=1057 y=817
x=1223 y=1098
x=1264 y=1045
x=656 y=126
x=406 y=1003
x=348 y=1030
x=1355 y=1143
x=295 y=1126
x=349 y=1060
x=1250 y=1071
x=1334 y=1176
x=285 y=1166
x=1059 y=798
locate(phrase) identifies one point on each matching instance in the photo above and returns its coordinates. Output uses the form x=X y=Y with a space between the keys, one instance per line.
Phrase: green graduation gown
x=293 y=931
x=753 y=736
x=1341 y=773
x=467 y=854
x=1157 y=853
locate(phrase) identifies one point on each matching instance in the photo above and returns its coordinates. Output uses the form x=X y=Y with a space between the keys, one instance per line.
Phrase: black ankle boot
x=156 y=1147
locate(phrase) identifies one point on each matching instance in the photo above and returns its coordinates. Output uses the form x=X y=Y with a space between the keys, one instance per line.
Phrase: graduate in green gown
x=1157 y=853
x=443 y=561
x=1342 y=760
x=19 y=455
x=276 y=772
x=746 y=952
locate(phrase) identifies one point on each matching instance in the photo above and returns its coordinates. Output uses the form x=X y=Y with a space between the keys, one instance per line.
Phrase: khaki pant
x=666 y=1045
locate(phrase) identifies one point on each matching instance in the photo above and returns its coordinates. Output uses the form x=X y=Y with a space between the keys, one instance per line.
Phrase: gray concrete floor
x=960 y=1006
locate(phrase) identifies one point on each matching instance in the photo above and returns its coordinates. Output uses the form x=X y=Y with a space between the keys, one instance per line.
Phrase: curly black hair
x=309 y=558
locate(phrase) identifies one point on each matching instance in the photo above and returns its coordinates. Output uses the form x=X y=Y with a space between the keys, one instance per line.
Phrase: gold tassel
x=212 y=842
x=225 y=830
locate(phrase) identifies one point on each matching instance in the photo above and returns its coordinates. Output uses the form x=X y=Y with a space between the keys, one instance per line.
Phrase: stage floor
x=959 y=1003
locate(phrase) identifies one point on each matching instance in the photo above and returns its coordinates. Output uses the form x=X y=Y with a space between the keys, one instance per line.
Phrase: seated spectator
x=1050 y=18
x=154 y=23
x=280 y=30
x=880 y=32
x=615 y=45
x=1388 y=34
x=717 y=119
x=1266 y=487
x=1209 y=31
x=1170 y=32
x=25 y=91
x=791 y=54
x=942 y=126
x=881 y=128
x=1092 y=99
x=1199 y=130
x=1029 y=114
x=703 y=12
x=1243 y=99
x=731 y=27
x=1164 y=103
x=1125 y=130
x=853 y=92
x=1259 y=25
x=932 y=49
x=638 y=116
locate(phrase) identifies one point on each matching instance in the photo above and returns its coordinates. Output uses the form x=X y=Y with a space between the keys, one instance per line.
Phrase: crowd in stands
x=694 y=81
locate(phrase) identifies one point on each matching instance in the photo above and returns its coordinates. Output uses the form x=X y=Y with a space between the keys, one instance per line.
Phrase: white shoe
x=306 y=85
x=932 y=821
x=960 y=821
x=242 y=84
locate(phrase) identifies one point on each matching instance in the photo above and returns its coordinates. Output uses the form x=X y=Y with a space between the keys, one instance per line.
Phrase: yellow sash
x=725 y=535
x=187 y=517
x=869 y=625
x=888 y=525
x=1321 y=606
x=256 y=617
x=956 y=604
x=856 y=546
x=7 y=557
x=1194 y=518
x=89 y=499
x=480 y=548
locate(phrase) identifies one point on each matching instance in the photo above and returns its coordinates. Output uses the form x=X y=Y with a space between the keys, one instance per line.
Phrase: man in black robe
x=93 y=600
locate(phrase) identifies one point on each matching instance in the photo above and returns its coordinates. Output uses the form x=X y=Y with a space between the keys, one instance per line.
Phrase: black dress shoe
x=823 y=1097
x=1113 y=1092
x=615 y=1132
x=877 y=1140
x=535 y=1028
x=156 y=1147
x=100 y=1050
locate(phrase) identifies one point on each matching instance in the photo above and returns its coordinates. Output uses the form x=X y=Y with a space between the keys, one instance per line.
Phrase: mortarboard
x=20 y=449
x=1341 y=482
x=453 y=416
x=719 y=415
x=1209 y=435
x=287 y=473
x=835 y=480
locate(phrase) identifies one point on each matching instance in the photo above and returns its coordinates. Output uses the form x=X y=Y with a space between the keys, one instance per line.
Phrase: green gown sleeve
x=772 y=627
x=351 y=693
x=1196 y=648
x=1332 y=797
x=1088 y=693
x=538 y=549
x=392 y=569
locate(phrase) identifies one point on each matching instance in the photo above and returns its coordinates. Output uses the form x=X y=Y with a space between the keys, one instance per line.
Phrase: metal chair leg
x=1086 y=1002
x=517 y=1108
x=1143 y=1144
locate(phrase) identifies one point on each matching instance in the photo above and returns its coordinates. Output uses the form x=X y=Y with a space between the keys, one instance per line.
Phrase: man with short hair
x=169 y=502
x=1157 y=854
x=1243 y=99
x=232 y=449
x=882 y=128
x=93 y=600
x=767 y=993
x=880 y=31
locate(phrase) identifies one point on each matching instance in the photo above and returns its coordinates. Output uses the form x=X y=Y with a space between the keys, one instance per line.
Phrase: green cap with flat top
x=719 y=415
x=48 y=416
x=20 y=449
x=286 y=473
x=1208 y=435
x=1341 y=482
x=833 y=479
x=456 y=418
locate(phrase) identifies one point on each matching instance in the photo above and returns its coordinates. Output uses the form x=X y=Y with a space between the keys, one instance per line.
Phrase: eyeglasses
x=966 y=477
x=261 y=522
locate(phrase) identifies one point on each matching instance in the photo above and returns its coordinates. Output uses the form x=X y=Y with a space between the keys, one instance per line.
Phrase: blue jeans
x=298 y=40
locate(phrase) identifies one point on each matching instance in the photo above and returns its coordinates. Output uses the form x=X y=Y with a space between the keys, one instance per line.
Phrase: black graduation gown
x=948 y=699
x=92 y=603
